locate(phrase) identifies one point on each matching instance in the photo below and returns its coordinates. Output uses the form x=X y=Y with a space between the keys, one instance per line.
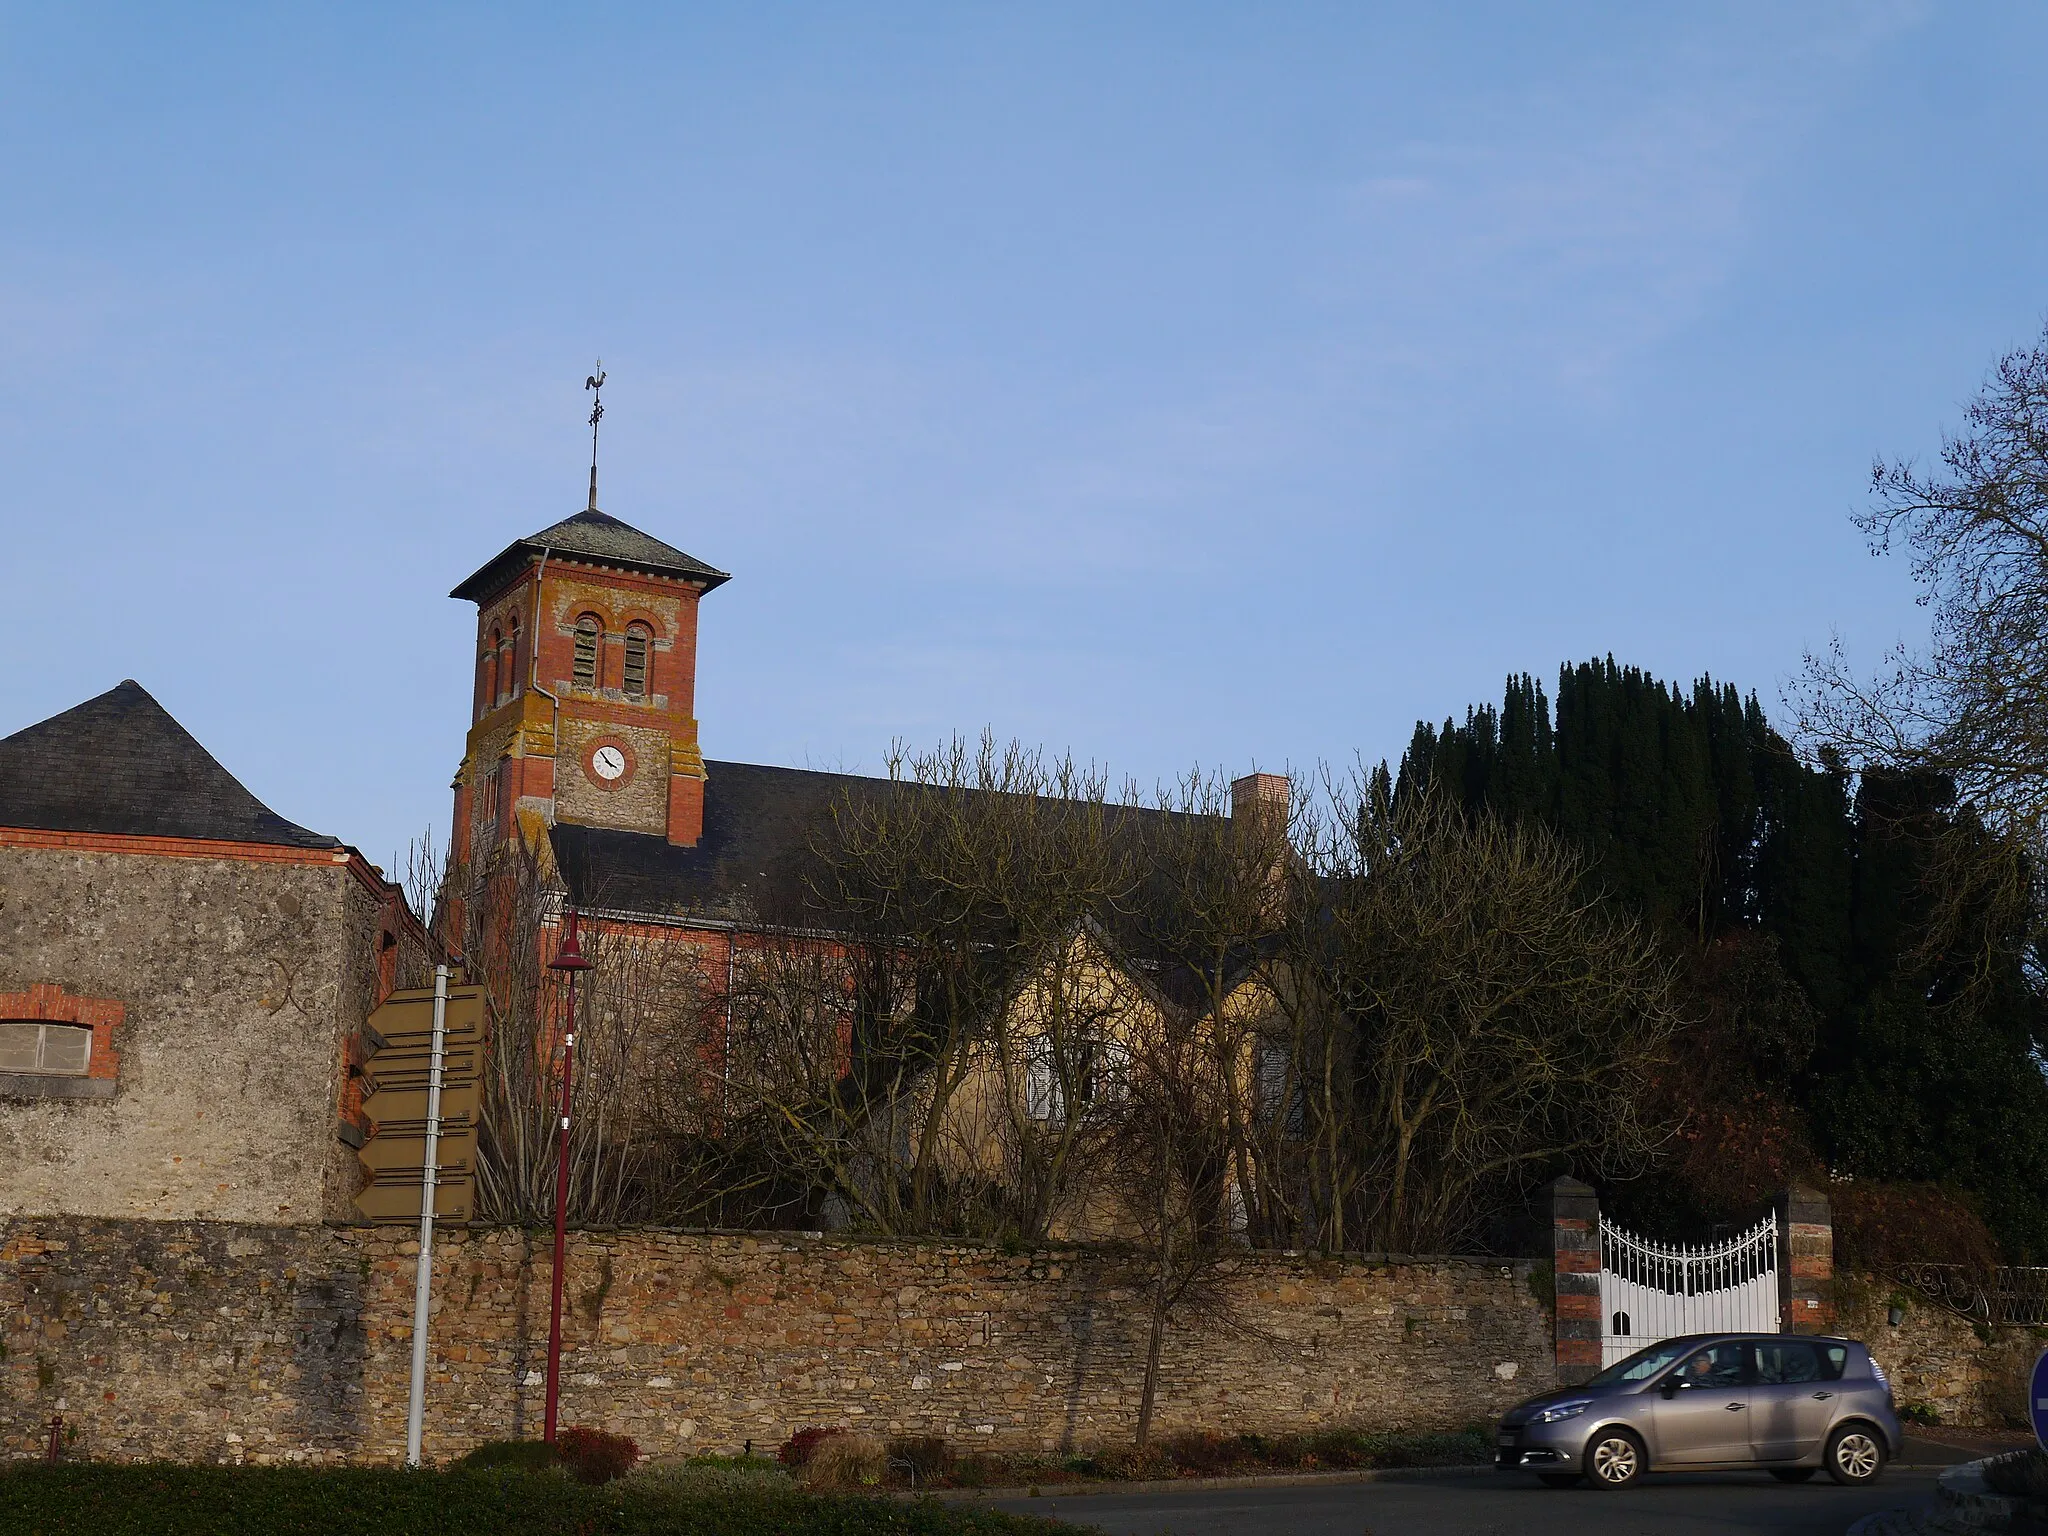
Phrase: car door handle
x=1737 y=1407
x=1821 y=1397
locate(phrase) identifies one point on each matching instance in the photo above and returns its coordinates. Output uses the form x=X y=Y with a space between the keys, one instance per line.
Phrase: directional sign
x=406 y=1018
x=2037 y=1400
x=408 y=1106
x=397 y=1157
x=393 y=1068
x=397 y=1079
x=401 y=1202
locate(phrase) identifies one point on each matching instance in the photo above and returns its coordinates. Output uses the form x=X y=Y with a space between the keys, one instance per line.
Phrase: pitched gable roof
x=595 y=537
x=119 y=764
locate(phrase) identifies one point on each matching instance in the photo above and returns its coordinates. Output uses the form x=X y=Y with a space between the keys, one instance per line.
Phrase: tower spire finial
x=595 y=384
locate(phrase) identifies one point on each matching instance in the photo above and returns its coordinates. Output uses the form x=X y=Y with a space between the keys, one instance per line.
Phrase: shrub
x=592 y=1456
x=798 y=1449
x=1919 y=1413
x=1204 y=1454
x=527 y=1455
x=921 y=1459
x=845 y=1461
x=97 y=1499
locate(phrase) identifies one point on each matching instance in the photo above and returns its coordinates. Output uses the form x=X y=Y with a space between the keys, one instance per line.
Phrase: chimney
x=1258 y=806
x=1262 y=796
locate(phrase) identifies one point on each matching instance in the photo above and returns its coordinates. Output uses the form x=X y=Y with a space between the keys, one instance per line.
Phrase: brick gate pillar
x=1575 y=1263
x=1806 y=1261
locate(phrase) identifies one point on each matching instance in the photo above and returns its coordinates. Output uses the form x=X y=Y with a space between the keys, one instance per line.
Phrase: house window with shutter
x=588 y=632
x=637 y=637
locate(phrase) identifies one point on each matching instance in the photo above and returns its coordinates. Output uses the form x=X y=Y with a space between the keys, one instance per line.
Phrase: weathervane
x=595 y=384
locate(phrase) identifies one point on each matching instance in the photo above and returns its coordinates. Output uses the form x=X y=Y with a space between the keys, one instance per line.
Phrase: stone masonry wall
x=231 y=973
x=211 y=1342
x=1968 y=1374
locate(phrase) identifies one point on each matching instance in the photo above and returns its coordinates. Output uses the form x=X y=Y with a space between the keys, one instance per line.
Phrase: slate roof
x=119 y=764
x=757 y=833
x=758 y=828
x=592 y=536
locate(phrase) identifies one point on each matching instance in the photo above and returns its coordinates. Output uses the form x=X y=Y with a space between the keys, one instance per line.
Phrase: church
x=582 y=750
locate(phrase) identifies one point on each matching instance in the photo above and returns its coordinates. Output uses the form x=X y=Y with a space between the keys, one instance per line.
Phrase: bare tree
x=1169 y=1107
x=1973 y=707
x=1473 y=1015
x=905 y=1032
x=644 y=1068
x=1220 y=877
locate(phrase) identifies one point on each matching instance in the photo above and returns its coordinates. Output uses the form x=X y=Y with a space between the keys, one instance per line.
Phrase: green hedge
x=163 y=1500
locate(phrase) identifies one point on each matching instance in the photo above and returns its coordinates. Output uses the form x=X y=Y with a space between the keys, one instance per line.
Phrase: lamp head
x=569 y=957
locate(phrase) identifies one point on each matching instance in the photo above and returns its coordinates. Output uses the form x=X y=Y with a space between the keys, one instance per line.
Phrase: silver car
x=1789 y=1404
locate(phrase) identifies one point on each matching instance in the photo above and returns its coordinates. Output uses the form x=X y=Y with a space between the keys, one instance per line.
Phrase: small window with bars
x=48 y=1050
x=637 y=636
x=588 y=632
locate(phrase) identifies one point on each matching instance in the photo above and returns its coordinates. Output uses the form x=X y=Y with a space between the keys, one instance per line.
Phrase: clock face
x=608 y=763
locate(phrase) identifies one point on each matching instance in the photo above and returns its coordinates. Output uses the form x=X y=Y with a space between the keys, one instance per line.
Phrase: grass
x=96 y=1499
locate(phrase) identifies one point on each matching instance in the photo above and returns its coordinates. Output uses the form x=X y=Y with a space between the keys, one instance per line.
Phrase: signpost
x=423 y=1269
x=399 y=1082
x=423 y=1080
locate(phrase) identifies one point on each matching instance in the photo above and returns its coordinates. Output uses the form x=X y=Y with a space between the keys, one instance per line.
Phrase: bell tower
x=585 y=693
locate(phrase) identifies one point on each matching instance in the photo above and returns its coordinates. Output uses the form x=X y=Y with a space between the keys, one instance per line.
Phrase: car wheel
x=1855 y=1455
x=1793 y=1474
x=1558 y=1479
x=1614 y=1459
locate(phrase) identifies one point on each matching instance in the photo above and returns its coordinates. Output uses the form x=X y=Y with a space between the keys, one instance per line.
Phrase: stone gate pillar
x=1574 y=1212
x=1806 y=1261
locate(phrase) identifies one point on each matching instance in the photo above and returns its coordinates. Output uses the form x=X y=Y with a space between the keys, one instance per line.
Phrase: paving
x=1482 y=1502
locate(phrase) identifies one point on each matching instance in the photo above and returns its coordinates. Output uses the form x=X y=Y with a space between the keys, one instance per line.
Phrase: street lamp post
x=568 y=960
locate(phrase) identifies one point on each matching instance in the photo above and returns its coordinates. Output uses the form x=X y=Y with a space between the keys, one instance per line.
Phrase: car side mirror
x=1670 y=1389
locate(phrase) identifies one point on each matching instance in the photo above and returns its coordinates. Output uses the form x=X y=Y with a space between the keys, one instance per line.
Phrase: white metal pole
x=423 y=1276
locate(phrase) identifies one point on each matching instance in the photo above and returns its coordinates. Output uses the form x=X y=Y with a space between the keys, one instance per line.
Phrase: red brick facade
x=536 y=722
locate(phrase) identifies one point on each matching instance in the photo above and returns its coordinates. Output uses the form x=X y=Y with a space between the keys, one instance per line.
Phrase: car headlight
x=1570 y=1410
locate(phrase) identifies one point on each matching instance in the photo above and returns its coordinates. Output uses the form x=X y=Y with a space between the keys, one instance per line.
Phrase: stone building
x=182 y=975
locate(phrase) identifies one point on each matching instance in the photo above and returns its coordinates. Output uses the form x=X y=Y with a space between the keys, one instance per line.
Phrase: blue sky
x=1178 y=384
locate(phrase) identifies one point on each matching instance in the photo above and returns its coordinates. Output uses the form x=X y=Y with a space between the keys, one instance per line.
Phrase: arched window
x=506 y=645
x=517 y=667
x=637 y=636
x=496 y=673
x=588 y=632
x=486 y=678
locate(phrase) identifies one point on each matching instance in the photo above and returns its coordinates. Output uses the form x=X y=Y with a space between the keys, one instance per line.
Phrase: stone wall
x=1967 y=1373
x=212 y=1342
x=238 y=978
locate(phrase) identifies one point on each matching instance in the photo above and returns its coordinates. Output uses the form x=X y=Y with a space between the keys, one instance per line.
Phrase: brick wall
x=206 y=1341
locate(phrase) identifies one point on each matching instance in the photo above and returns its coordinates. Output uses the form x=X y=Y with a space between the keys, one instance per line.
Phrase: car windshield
x=1644 y=1363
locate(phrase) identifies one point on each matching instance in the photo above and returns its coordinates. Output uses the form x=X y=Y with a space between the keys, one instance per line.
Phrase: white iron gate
x=1651 y=1291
